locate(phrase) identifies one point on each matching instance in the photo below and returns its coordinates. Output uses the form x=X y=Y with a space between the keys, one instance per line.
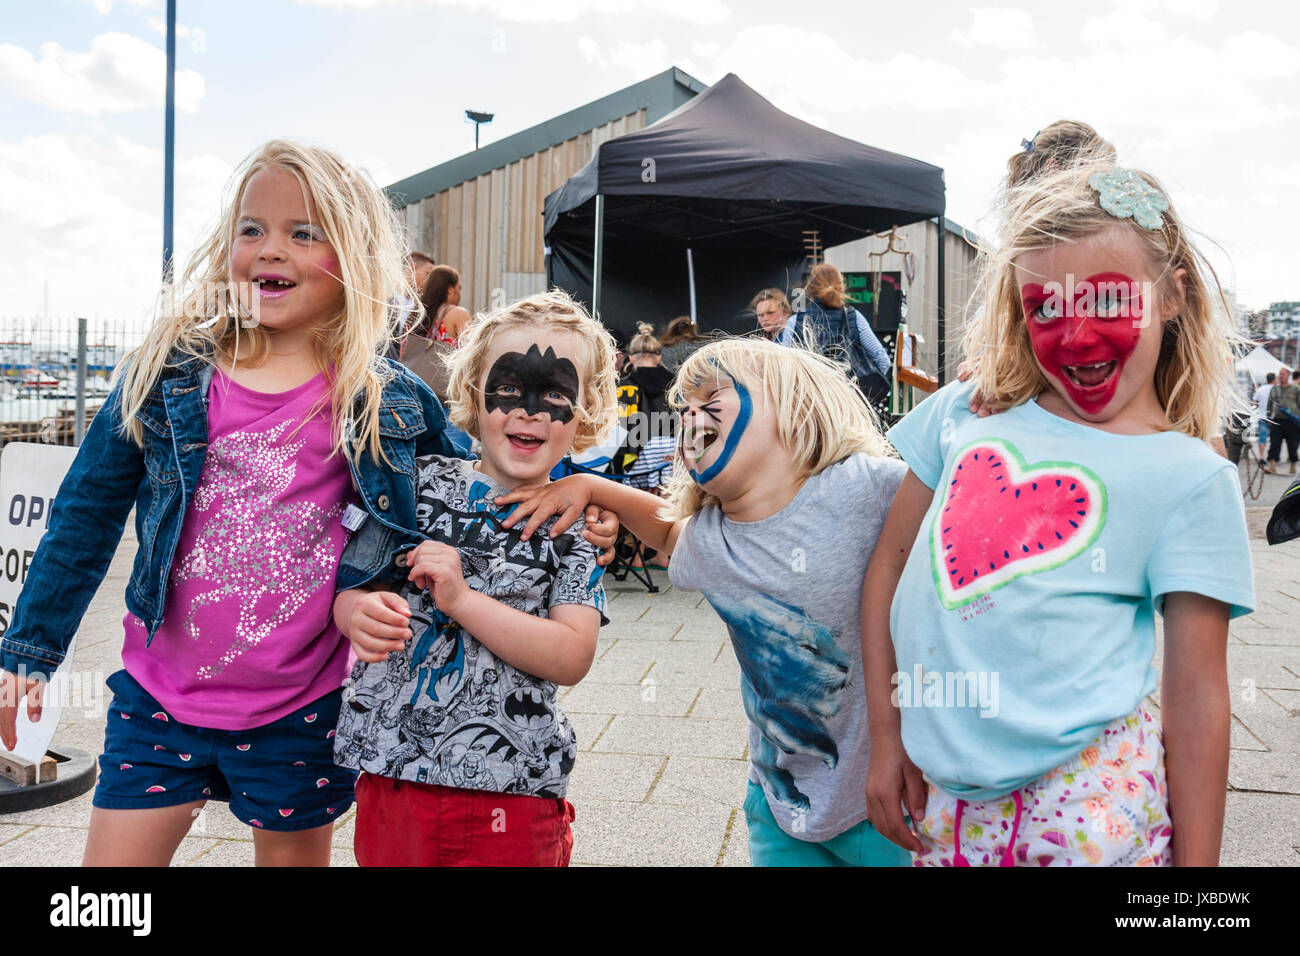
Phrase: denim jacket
x=111 y=473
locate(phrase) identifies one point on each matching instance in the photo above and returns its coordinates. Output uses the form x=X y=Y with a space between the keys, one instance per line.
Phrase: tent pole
x=690 y=278
x=599 y=255
x=943 y=307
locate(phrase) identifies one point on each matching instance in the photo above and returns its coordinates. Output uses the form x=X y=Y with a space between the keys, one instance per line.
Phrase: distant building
x=1282 y=331
x=1283 y=320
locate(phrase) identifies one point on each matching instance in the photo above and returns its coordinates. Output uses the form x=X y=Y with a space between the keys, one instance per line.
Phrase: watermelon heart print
x=1002 y=518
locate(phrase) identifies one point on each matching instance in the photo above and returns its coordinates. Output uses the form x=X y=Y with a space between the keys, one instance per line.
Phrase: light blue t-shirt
x=1024 y=621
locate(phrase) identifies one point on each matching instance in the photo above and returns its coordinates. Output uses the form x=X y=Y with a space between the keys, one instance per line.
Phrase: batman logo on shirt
x=526 y=708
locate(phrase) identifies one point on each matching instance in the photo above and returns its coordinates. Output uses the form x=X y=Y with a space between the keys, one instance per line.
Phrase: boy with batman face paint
x=531 y=382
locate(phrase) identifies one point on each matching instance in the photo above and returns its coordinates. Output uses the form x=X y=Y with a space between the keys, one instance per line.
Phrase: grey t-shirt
x=789 y=588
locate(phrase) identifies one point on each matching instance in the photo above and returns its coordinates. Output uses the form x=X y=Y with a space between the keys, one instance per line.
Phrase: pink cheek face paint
x=1085 y=349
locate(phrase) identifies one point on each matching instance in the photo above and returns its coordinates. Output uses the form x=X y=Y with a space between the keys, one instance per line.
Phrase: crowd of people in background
x=824 y=320
x=1280 y=411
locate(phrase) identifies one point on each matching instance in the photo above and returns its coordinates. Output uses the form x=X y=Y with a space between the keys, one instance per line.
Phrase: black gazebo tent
x=703 y=208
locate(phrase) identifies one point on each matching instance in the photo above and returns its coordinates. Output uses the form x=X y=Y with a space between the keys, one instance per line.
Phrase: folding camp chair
x=629 y=552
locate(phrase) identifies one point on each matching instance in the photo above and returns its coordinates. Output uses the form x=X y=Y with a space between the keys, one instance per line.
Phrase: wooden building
x=481 y=213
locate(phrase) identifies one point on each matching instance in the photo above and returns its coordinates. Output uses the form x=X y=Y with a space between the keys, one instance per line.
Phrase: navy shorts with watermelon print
x=278 y=777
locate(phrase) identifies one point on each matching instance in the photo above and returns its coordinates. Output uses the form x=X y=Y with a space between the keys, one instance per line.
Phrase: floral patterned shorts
x=1109 y=806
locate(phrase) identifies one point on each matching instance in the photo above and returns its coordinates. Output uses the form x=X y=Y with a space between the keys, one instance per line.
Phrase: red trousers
x=401 y=823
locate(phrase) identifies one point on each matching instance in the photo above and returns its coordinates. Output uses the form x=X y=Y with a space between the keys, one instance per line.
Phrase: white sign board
x=30 y=475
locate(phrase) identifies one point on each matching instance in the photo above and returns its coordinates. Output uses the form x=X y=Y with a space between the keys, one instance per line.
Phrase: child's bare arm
x=637 y=509
x=1195 y=711
x=376 y=622
x=892 y=779
x=559 y=648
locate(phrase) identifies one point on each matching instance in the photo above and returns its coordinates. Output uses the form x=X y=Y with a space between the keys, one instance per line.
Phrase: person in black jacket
x=649 y=420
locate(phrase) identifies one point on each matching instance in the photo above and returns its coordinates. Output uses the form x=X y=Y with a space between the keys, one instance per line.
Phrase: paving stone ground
x=661 y=774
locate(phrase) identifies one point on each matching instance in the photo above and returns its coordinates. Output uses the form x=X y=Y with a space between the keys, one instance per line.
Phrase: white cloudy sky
x=1203 y=93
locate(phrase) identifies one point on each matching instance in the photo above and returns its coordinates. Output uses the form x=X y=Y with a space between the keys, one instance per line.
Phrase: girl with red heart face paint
x=1032 y=549
x=1095 y=327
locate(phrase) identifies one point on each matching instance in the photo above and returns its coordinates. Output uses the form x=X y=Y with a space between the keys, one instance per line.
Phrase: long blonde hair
x=820 y=415
x=554 y=311
x=361 y=225
x=1194 y=373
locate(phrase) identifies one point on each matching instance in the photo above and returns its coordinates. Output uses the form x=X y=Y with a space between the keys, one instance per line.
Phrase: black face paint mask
x=525 y=380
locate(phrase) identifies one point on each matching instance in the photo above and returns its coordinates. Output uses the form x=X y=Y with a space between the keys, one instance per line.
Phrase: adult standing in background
x=681 y=338
x=834 y=329
x=418 y=266
x=1260 y=398
x=444 y=319
x=1284 y=413
x=772 y=310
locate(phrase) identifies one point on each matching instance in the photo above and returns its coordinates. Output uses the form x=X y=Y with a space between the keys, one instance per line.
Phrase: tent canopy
x=738 y=182
x=1259 y=363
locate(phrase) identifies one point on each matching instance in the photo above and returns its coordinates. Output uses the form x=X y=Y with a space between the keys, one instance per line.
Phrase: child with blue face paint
x=781 y=485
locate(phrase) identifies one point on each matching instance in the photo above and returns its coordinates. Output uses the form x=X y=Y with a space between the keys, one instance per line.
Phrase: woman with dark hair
x=444 y=319
x=680 y=339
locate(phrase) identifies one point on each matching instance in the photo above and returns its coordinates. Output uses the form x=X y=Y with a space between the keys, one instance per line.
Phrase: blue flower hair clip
x=1028 y=144
x=1124 y=194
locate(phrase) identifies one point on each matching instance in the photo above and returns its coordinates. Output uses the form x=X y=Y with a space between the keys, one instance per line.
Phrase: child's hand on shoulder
x=570 y=499
x=978 y=404
x=436 y=567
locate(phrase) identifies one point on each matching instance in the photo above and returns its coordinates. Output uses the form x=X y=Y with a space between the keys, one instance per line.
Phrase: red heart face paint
x=1083 y=335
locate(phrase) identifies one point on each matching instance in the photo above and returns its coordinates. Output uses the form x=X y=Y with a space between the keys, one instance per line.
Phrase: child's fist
x=376 y=622
x=436 y=567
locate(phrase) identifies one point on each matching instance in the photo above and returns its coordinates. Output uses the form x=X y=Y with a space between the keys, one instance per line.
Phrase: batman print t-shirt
x=445 y=710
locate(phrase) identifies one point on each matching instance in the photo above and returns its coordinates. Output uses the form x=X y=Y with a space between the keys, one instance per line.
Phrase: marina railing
x=55 y=372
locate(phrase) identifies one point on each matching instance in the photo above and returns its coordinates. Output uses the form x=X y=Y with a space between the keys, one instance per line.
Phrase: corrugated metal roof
x=658 y=96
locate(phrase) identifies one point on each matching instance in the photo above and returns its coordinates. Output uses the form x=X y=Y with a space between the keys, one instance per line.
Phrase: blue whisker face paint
x=734 y=435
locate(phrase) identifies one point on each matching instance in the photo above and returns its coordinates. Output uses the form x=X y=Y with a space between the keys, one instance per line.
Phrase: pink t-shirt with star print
x=248 y=635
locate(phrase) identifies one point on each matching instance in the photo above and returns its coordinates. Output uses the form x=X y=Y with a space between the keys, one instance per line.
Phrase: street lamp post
x=478 y=119
x=169 y=142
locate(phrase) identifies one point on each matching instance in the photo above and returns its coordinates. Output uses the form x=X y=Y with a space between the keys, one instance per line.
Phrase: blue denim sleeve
x=86 y=522
x=875 y=351
x=435 y=439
